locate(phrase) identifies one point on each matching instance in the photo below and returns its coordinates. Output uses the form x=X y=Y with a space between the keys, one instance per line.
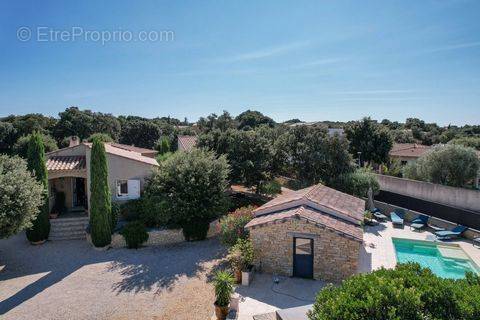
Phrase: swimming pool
x=445 y=260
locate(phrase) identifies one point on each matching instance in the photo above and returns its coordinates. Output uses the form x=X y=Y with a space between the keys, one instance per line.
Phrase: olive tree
x=452 y=165
x=189 y=189
x=21 y=196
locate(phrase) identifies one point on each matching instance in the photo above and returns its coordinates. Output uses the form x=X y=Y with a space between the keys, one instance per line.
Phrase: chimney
x=73 y=141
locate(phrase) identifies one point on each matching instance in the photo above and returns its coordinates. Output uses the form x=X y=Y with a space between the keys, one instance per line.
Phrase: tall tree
x=189 y=188
x=371 y=139
x=21 y=196
x=100 y=199
x=251 y=119
x=140 y=133
x=309 y=155
x=37 y=165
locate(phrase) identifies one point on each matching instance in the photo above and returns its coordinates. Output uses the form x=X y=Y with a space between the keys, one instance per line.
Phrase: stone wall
x=386 y=208
x=454 y=197
x=335 y=257
x=162 y=237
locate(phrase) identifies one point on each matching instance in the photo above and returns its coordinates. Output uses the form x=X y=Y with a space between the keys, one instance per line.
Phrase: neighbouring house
x=69 y=172
x=312 y=233
x=407 y=153
x=330 y=131
x=186 y=143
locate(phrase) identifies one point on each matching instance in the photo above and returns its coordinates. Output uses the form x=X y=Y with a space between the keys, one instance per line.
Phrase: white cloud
x=265 y=53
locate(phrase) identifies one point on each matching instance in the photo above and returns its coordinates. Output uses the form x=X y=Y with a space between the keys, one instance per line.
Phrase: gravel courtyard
x=71 y=280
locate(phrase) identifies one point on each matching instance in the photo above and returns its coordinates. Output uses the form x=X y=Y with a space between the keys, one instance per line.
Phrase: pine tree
x=100 y=200
x=37 y=165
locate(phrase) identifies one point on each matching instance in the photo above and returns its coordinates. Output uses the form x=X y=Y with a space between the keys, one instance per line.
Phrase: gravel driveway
x=71 y=280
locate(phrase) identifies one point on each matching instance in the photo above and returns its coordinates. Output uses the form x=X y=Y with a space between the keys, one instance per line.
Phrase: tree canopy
x=190 y=188
x=22 y=196
x=251 y=119
x=140 y=133
x=371 y=139
x=21 y=146
x=452 y=165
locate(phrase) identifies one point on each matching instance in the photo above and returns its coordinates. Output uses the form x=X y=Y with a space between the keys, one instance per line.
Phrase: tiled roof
x=133 y=148
x=345 y=204
x=412 y=150
x=345 y=228
x=64 y=163
x=186 y=142
x=126 y=154
x=318 y=204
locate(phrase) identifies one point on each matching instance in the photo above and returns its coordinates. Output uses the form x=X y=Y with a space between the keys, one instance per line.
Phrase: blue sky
x=313 y=60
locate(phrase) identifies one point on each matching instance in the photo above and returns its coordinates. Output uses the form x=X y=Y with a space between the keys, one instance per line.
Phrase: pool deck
x=378 y=250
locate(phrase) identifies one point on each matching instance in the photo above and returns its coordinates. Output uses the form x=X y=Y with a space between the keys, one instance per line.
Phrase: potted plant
x=236 y=262
x=246 y=248
x=368 y=218
x=59 y=205
x=224 y=282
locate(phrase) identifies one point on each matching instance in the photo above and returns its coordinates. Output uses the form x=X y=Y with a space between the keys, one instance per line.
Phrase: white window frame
x=119 y=188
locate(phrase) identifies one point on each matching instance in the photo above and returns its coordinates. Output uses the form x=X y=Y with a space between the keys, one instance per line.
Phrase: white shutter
x=133 y=189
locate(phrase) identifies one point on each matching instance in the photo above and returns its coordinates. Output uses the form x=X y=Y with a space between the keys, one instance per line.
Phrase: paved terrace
x=379 y=251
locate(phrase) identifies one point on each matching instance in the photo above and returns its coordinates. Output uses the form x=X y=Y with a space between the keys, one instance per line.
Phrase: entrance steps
x=68 y=228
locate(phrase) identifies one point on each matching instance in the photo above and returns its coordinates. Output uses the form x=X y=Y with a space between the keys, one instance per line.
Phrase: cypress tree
x=37 y=165
x=100 y=200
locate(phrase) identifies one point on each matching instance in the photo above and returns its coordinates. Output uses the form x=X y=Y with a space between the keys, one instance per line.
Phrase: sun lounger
x=378 y=215
x=397 y=217
x=419 y=222
x=436 y=228
x=476 y=241
x=451 y=234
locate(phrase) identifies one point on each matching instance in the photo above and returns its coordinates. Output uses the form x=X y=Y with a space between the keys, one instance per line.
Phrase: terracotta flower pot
x=221 y=312
x=53 y=215
x=238 y=276
x=36 y=243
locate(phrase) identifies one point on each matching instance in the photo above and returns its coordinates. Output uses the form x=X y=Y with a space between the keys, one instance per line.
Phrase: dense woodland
x=257 y=148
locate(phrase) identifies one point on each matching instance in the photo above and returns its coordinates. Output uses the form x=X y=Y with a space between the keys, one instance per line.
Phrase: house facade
x=69 y=173
x=311 y=233
x=407 y=153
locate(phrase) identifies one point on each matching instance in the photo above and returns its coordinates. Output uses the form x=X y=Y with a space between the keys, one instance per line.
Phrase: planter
x=238 y=276
x=247 y=277
x=102 y=248
x=53 y=215
x=36 y=243
x=221 y=312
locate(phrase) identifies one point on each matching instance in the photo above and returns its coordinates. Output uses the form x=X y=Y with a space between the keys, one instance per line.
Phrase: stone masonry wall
x=335 y=257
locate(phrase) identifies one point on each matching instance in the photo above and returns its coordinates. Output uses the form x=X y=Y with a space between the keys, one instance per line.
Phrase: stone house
x=69 y=172
x=315 y=233
x=407 y=153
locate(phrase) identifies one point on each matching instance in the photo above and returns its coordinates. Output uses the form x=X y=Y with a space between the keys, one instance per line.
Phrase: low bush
x=130 y=211
x=195 y=230
x=232 y=225
x=115 y=215
x=270 y=188
x=134 y=234
x=241 y=255
x=404 y=293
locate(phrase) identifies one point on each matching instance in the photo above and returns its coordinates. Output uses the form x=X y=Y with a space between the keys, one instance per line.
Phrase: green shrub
x=134 y=234
x=162 y=145
x=241 y=255
x=37 y=165
x=357 y=183
x=232 y=225
x=270 y=188
x=196 y=229
x=130 y=210
x=404 y=293
x=103 y=137
x=114 y=216
x=21 y=146
x=147 y=209
x=22 y=196
x=223 y=282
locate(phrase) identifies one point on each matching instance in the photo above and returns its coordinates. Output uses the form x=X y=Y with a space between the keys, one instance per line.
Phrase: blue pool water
x=428 y=255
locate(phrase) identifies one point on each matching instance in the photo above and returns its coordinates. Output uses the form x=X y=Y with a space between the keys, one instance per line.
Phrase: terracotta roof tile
x=64 y=163
x=412 y=150
x=335 y=200
x=186 y=142
x=345 y=228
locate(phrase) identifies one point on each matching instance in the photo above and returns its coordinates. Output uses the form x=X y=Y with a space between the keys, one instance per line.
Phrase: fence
x=453 y=197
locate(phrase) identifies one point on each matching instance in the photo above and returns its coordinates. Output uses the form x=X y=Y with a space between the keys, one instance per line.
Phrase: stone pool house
x=69 y=172
x=311 y=233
